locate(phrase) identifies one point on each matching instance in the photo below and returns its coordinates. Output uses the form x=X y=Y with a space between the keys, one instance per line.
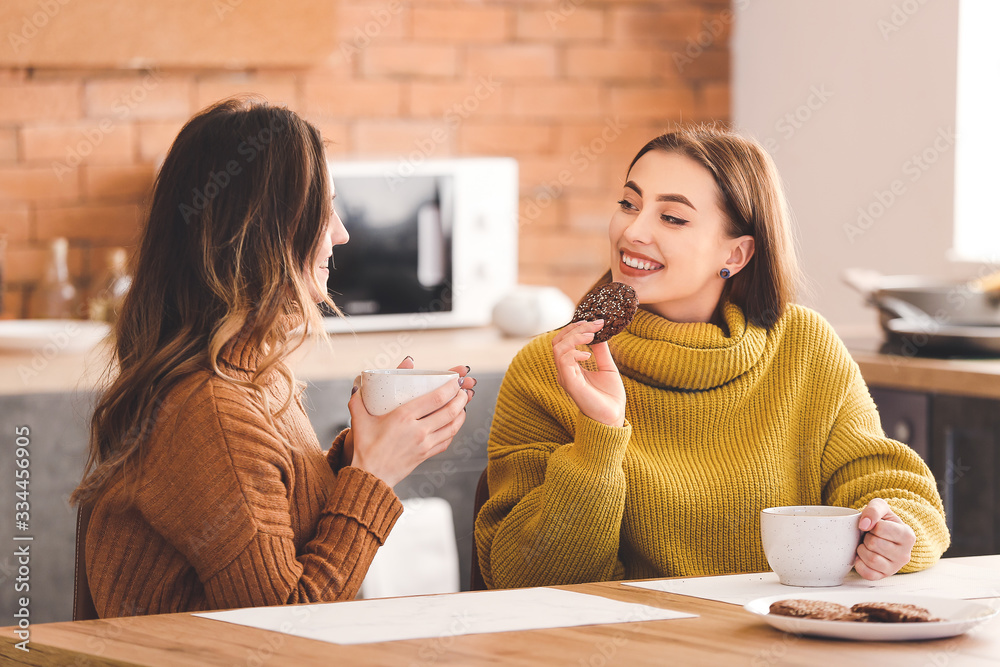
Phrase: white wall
x=848 y=96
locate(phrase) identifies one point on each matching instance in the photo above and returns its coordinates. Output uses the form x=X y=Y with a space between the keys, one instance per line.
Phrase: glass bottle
x=55 y=296
x=104 y=305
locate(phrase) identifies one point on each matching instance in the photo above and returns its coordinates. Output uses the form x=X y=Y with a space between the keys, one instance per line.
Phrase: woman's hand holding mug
x=392 y=445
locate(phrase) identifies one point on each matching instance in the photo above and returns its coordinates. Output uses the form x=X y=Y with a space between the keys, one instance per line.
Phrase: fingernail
x=407 y=357
x=471 y=393
x=354 y=389
x=865 y=524
x=468 y=369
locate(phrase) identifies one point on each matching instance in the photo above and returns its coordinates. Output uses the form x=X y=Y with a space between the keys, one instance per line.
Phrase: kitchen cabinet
x=959 y=438
x=905 y=417
x=965 y=457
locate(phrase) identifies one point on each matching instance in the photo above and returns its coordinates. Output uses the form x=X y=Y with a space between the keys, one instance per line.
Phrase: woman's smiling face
x=668 y=238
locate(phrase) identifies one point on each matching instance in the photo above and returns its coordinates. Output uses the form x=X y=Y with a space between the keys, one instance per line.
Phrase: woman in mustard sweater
x=653 y=454
x=208 y=486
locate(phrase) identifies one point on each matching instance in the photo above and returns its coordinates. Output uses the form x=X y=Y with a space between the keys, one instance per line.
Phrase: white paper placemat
x=452 y=615
x=948 y=578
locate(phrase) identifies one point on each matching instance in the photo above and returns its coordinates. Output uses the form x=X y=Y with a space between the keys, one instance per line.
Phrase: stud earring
x=724 y=273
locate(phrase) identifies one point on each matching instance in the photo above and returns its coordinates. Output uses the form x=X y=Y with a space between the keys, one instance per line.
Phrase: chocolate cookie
x=891 y=612
x=816 y=609
x=615 y=303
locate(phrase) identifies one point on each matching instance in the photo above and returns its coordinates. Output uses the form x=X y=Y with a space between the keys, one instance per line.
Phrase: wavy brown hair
x=753 y=202
x=238 y=211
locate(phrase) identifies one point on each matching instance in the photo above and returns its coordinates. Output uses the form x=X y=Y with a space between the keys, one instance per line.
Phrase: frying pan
x=936 y=316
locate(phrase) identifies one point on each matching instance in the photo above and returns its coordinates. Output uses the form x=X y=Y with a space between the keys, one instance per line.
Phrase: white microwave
x=432 y=245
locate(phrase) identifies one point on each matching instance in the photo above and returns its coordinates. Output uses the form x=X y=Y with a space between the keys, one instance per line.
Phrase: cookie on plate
x=615 y=303
x=819 y=610
x=893 y=612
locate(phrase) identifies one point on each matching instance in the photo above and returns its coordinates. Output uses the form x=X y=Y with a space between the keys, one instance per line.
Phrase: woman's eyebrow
x=680 y=199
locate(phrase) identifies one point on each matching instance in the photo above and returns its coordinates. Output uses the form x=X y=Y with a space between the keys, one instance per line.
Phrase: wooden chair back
x=482 y=495
x=83 y=603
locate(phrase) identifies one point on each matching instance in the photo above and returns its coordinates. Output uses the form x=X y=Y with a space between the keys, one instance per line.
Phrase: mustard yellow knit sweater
x=717 y=428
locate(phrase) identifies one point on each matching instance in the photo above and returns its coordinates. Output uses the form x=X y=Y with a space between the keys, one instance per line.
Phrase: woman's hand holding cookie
x=887 y=544
x=599 y=394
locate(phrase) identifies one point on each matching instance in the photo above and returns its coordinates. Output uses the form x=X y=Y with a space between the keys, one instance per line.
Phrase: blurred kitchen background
x=845 y=95
x=875 y=111
x=94 y=98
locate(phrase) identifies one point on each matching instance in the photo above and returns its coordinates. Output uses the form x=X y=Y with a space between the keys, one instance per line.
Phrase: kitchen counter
x=973 y=377
x=486 y=350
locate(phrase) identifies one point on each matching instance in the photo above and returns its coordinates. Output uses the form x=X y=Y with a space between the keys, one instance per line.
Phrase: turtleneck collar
x=687 y=356
x=242 y=353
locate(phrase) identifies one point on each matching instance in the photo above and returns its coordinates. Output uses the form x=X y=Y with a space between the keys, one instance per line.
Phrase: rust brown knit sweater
x=227 y=515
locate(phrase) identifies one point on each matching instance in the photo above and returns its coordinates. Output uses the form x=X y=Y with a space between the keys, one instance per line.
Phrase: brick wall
x=570 y=88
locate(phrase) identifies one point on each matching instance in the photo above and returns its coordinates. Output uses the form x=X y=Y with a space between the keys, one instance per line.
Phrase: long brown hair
x=238 y=211
x=754 y=204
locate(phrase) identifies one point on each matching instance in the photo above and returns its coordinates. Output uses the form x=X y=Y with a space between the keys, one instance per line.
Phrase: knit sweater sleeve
x=219 y=494
x=860 y=463
x=557 y=487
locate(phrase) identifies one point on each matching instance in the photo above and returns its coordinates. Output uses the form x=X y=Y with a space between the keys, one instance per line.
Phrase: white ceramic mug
x=384 y=390
x=810 y=545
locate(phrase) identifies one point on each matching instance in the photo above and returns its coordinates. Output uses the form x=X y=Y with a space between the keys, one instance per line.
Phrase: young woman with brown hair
x=208 y=486
x=654 y=453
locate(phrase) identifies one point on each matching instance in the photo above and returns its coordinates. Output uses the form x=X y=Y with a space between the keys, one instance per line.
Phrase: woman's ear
x=741 y=252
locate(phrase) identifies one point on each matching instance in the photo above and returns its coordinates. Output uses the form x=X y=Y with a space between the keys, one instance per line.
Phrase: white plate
x=958 y=616
x=51 y=337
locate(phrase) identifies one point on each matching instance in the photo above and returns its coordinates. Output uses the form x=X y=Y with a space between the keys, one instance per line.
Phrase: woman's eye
x=627 y=205
x=672 y=220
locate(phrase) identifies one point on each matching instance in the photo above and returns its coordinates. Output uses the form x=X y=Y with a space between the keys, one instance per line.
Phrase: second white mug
x=810 y=545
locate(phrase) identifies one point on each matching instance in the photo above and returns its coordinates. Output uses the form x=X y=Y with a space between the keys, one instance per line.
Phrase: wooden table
x=723 y=634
